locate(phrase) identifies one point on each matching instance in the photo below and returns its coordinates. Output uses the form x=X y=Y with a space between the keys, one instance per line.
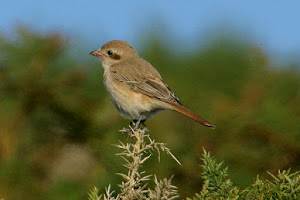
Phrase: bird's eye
x=109 y=53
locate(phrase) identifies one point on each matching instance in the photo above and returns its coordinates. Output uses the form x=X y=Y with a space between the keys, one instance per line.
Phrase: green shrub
x=217 y=185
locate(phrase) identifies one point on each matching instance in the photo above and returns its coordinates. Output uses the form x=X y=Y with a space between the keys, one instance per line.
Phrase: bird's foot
x=134 y=126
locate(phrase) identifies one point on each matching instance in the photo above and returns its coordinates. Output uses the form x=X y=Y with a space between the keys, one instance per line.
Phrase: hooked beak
x=96 y=53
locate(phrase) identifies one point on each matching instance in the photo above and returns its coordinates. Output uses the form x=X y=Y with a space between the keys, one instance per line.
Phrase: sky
x=275 y=25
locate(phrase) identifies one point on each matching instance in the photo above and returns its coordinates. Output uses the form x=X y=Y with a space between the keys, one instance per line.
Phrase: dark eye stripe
x=115 y=56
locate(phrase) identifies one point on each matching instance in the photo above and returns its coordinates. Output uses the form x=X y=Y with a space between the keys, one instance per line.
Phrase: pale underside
x=137 y=89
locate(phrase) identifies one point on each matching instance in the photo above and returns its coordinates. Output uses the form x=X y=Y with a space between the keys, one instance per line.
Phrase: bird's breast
x=130 y=104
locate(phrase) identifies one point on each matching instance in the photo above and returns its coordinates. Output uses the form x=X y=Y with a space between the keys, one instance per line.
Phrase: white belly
x=130 y=104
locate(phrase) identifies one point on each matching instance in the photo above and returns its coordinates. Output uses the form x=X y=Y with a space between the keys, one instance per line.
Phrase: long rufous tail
x=192 y=115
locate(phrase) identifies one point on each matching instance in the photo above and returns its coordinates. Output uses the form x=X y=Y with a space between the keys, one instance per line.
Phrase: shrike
x=135 y=86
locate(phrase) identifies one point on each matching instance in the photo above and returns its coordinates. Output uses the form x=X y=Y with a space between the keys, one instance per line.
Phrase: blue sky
x=275 y=25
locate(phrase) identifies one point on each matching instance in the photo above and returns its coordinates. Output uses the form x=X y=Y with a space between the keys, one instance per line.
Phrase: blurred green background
x=57 y=122
x=235 y=63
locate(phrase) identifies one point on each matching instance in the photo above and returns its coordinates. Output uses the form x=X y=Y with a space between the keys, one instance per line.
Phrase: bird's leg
x=134 y=125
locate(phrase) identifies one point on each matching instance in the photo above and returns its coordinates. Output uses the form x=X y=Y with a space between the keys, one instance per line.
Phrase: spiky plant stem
x=135 y=154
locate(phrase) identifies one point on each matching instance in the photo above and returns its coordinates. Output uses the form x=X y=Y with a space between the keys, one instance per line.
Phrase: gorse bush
x=216 y=185
x=135 y=182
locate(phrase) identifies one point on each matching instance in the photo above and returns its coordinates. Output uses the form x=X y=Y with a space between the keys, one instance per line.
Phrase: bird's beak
x=96 y=53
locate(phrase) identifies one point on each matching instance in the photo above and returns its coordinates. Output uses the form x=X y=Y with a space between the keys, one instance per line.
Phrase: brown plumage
x=135 y=86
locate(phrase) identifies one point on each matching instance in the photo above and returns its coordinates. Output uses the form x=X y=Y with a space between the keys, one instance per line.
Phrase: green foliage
x=285 y=185
x=94 y=194
x=216 y=182
x=217 y=185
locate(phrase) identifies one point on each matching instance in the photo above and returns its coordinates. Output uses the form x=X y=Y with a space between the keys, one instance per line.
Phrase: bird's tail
x=192 y=115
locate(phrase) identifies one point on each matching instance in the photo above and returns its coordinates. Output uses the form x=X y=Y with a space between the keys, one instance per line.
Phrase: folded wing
x=151 y=87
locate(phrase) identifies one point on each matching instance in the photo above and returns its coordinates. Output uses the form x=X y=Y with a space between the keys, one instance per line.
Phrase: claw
x=135 y=125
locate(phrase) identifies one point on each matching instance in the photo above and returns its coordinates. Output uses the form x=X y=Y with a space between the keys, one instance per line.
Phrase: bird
x=135 y=87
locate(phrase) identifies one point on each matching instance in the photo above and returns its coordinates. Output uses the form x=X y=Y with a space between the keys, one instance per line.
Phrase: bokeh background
x=235 y=63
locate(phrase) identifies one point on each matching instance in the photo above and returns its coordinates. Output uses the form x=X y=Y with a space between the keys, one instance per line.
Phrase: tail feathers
x=192 y=115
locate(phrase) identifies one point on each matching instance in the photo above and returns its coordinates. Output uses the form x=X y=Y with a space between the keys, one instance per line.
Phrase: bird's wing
x=142 y=77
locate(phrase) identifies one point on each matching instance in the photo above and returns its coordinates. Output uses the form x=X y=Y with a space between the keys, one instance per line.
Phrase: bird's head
x=114 y=52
